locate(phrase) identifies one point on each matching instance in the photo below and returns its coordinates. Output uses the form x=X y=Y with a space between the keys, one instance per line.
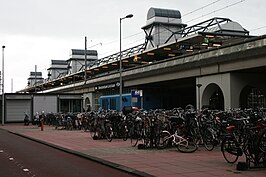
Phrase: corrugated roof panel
x=163 y=13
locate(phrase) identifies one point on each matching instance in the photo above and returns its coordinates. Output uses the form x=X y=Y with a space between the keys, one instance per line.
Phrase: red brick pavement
x=162 y=163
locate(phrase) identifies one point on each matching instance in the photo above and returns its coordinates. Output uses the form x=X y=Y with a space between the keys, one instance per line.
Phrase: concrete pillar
x=231 y=85
x=87 y=96
x=212 y=83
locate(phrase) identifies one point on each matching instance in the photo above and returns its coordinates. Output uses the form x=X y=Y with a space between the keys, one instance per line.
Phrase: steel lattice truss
x=190 y=40
x=116 y=57
x=211 y=26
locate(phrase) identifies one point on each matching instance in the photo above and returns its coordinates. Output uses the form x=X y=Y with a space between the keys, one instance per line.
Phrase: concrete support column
x=90 y=97
x=209 y=84
x=231 y=85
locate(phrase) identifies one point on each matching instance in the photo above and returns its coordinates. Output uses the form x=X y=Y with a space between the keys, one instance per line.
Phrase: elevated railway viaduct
x=214 y=63
x=224 y=77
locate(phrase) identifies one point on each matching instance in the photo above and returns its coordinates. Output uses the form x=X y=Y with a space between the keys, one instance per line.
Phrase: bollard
x=41 y=125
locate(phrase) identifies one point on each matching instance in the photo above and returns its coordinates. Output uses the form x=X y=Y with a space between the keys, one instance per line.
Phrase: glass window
x=113 y=103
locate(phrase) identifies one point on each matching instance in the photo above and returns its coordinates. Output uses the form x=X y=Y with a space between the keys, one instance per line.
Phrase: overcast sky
x=37 y=31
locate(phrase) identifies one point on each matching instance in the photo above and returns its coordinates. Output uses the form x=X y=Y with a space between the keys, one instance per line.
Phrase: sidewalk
x=119 y=154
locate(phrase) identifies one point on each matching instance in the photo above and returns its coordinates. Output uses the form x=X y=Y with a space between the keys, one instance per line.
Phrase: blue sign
x=136 y=93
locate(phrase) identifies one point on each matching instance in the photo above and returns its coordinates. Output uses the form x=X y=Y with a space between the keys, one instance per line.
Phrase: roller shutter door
x=15 y=110
x=45 y=103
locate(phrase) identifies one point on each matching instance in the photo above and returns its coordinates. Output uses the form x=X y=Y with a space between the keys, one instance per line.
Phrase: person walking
x=26 y=119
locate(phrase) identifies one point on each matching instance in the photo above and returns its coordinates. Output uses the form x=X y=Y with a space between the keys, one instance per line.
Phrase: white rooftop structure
x=76 y=62
x=160 y=25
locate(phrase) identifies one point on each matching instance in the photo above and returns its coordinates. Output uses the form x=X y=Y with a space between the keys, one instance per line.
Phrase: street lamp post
x=199 y=85
x=120 y=63
x=3 y=91
x=85 y=55
x=86 y=61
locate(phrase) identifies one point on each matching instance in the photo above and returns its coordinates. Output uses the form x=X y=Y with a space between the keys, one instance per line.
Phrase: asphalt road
x=20 y=157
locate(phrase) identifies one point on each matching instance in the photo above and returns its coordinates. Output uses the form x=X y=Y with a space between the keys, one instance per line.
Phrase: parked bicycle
x=206 y=132
x=251 y=143
x=181 y=139
x=101 y=127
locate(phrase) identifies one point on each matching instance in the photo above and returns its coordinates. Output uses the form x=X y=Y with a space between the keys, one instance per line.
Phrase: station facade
x=214 y=64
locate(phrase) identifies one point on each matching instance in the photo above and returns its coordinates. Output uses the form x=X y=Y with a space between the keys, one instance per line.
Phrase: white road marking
x=26 y=170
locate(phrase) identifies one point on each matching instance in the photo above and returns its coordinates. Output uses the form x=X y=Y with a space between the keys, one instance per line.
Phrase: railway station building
x=215 y=64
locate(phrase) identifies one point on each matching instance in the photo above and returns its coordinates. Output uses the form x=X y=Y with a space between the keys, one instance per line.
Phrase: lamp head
x=129 y=16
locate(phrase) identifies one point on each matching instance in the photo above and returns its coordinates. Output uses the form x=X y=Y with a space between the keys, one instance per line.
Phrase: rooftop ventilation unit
x=160 y=25
x=76 y=62
x=58 y=68
x=35 y=77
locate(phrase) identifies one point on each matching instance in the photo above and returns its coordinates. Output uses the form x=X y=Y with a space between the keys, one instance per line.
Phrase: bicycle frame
x=247 y=146
x=176 y=139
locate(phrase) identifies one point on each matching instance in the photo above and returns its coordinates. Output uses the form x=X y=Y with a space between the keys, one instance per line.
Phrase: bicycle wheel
x=92 y=130
x=208 y=140
x=146 y=141
x=124 y=132
x=261 y=149
x=187 y=145
x=163 y=140
x=230 y=150
x=135 y=136
x=146 y=137
x=262 y=142
x=109 y=133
